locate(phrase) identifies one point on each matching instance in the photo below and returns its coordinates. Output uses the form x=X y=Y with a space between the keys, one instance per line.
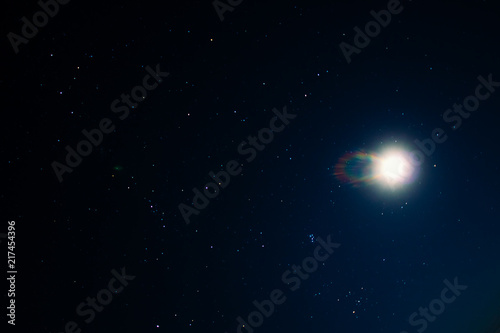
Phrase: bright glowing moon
x=394 y=168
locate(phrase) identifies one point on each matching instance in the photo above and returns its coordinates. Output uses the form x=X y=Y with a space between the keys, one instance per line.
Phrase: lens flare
x=392 y=168
x=355 y=168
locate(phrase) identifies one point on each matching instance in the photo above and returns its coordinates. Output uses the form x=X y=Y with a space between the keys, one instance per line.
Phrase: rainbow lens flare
x=393 y=168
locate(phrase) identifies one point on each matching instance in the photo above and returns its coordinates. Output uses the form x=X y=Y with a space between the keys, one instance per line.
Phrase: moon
x=394 y=169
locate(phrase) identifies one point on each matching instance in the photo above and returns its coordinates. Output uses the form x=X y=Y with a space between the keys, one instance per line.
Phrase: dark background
x=119 y=208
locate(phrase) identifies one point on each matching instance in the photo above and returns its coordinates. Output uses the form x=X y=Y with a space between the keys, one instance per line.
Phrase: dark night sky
x=119 y=207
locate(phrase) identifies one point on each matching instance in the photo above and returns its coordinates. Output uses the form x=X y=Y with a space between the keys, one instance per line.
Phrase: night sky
x=222 y=166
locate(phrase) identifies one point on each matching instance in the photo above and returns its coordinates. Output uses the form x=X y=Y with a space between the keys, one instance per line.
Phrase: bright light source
x=394 y=168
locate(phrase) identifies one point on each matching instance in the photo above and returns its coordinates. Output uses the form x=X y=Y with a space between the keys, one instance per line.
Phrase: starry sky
x=117 y=115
